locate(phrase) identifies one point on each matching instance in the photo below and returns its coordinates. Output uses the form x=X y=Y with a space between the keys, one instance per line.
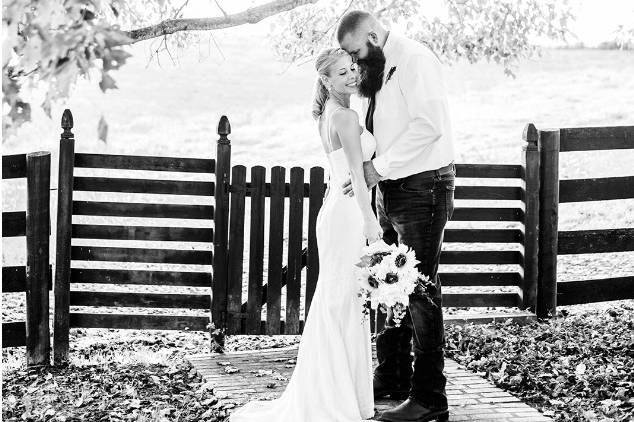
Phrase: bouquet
x=388 y=275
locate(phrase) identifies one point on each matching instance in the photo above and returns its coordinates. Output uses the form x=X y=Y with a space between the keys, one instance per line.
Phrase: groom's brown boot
x=382 y=391
x=412 y=411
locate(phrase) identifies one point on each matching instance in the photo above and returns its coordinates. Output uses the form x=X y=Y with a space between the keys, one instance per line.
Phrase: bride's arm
x=347 y=127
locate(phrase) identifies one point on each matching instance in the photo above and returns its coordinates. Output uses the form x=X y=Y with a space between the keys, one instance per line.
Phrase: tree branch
x=250 y=16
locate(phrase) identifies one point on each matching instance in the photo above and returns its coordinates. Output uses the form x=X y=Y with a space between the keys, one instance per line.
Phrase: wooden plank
x=38 y=273
x=484 y=235
x=293 y=281
x=165 y=256
x=595 y=241
x=316 y=198
x=139 y=322
x=481 y=279
x=481 y=257
x=498 y=171
x=590 y=291
x=168 y=187
x=140 y=300
x=140 y=277
x=14 y=279
x=256 y=251
x=63 y=241
x=167 y=234
x=487 y=214
x=598 y=189
x=276 y=234
x=549 y=198
x=489 y=192
x=140 y=162
x=136 y=209
x=481 y=300
x=597 y=138
x=13 y=166
x=13 y=223
x=236 y=249
x=13 y=334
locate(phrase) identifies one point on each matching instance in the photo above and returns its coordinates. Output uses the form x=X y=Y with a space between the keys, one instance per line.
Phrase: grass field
x=173 y=109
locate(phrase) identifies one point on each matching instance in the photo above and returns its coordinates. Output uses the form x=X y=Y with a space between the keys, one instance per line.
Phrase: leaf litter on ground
x=577 y=367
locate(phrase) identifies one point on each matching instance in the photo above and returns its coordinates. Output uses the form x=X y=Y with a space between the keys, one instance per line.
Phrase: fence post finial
x=67 y=124
x=224 y=129
x=530 y=134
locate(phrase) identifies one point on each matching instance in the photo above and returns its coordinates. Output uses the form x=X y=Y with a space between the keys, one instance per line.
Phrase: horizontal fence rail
x=132 y=162
x=597 y=138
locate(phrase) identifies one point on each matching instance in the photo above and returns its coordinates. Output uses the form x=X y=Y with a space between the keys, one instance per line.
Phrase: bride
x=332 y=380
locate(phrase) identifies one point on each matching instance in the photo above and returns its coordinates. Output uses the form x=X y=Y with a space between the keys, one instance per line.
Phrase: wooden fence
x=553 y=242
x=95 y=257
x=529 y=226
x=34 y=278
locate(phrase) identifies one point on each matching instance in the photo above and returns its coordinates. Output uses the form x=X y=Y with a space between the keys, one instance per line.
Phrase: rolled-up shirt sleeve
x=424 y=92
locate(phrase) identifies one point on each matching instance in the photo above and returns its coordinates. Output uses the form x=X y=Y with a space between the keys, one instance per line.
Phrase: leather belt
x=449 y=168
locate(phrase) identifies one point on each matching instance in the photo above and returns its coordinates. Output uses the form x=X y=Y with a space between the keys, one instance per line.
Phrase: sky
x=596 y=19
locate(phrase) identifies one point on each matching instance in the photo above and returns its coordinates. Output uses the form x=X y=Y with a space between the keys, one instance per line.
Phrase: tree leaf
x=102 y=130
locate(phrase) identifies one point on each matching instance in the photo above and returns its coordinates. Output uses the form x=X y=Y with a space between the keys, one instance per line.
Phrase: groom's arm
x=423 y=89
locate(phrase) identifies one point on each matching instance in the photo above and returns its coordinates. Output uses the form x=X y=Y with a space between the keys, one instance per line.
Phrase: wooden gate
x=300 y=200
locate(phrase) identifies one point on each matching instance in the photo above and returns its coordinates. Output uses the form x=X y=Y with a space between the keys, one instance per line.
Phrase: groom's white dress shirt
x=411 y=119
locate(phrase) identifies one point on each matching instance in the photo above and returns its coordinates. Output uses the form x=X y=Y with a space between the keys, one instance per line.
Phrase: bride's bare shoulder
x=345 y=118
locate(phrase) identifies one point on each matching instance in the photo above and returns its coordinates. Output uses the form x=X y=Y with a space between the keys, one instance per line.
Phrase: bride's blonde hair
x=324 y=61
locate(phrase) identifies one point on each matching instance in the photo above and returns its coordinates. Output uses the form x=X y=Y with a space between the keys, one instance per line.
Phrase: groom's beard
x=371 y=71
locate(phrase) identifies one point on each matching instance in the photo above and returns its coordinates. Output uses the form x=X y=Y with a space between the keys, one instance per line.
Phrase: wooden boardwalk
x=238 y=377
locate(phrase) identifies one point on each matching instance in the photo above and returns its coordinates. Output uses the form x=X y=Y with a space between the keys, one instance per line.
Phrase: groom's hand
x=371 y=178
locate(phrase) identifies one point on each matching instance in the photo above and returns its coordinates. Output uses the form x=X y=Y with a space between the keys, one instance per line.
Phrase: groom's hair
x=350 y=22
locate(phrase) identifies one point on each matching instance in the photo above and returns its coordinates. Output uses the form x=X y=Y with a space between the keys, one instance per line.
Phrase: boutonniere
x=390 y=73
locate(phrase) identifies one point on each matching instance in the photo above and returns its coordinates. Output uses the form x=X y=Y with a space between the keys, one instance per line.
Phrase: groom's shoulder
x=413 y=48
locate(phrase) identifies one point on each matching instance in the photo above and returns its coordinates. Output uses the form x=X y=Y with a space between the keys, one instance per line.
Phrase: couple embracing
x=406 y=149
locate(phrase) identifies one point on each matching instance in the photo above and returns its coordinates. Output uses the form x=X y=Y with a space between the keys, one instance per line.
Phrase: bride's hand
x=372 y=230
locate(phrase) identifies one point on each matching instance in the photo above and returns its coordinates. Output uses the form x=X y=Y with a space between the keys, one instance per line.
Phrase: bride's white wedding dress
x=332 y=380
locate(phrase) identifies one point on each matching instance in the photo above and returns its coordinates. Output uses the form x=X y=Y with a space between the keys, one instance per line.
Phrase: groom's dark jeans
x=414 y=210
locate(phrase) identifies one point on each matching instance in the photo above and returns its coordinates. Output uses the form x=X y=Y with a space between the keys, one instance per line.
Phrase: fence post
x=548 y=145
x=530 y=180
x=221 y=227
x=61 y=322
x=38 y=175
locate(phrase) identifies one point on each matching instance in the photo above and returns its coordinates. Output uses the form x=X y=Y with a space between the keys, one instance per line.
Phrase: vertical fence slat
x=61 y=320
x=256 y=250
x=315 y=198
x=548 y=220
x=38 y=173
x=221 y=226
x=530 y=180
x=293 y=280
x=276 y=238
x=236 y=249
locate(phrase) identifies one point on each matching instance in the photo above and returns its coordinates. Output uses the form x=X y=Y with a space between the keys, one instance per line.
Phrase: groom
x=408 y=114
